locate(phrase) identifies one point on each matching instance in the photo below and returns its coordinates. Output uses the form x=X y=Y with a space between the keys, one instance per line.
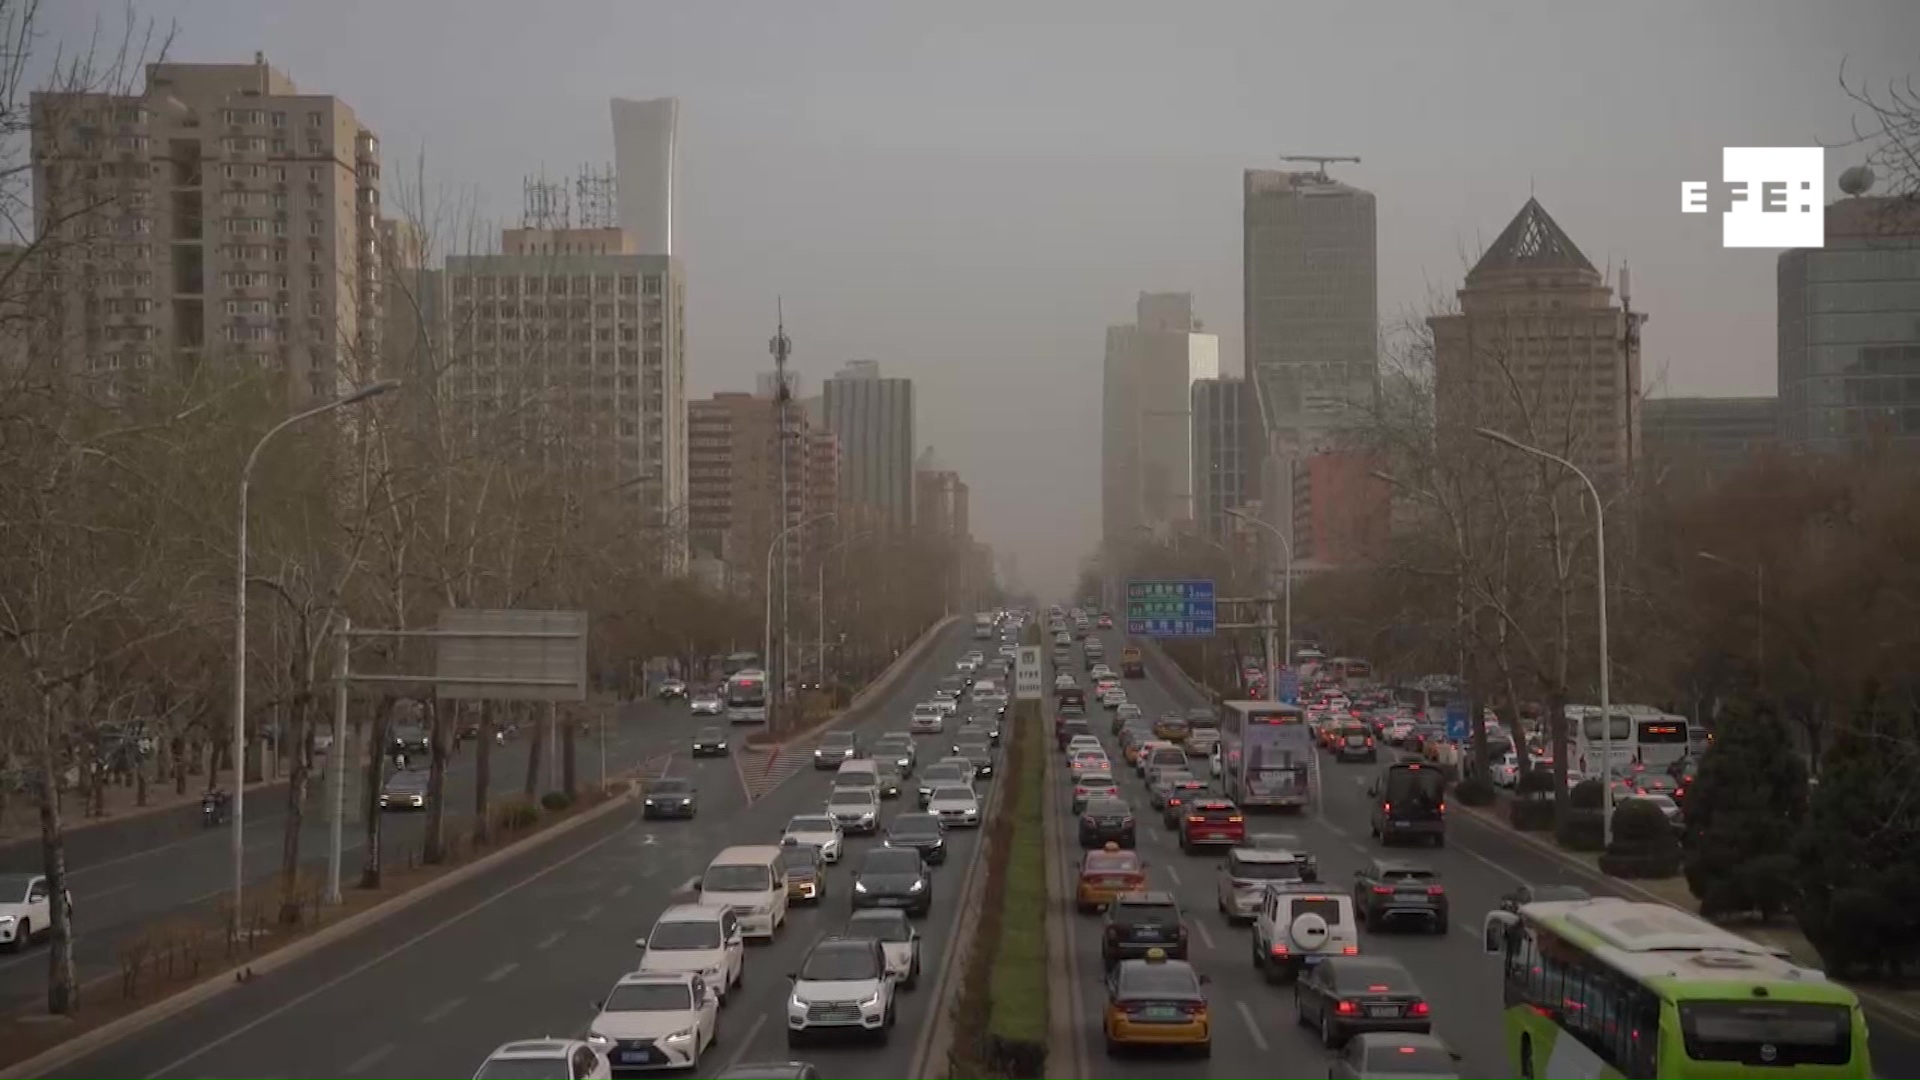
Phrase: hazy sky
x=970 y=193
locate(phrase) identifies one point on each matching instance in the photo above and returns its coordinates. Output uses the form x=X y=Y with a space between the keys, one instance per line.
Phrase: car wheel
x=1300 y=1010
x=1204 y=1050
x=1440 y=926
x=1329 y=1036
x=23 y=936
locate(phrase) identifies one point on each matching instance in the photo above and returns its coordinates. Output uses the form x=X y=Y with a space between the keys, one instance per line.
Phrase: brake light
x=1279 y=949
x=1386 y=808
x=1420 y=1009
x=1235 y=819
x=1369 y=741
x=1350 y=950
x=1443 y=807
x=1347 y=1008
x=1196 y=819
x=1383 y=890
x=1436 y=890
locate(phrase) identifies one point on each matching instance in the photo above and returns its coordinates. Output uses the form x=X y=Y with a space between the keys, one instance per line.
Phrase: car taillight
x=1443 y=807
x=1383 y=890
x=1420 y=1008
x=1347 y=1008
x=1436 y=890
x=1173 y=801
x=1196 y=819
x=1369 y=742
x=1279 y=949
x=1350 y=950
x=1386 y=808
x=1235 y=819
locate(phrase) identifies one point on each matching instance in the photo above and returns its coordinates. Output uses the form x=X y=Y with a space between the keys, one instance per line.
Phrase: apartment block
x=873 y=418
x=734 y=483
x=219 y=216
x=940 y=500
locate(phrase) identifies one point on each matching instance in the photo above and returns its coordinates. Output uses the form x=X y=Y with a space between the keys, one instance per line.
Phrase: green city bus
x=1609 y=987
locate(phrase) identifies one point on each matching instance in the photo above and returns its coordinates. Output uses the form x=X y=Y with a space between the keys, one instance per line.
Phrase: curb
x=84 y=1043
x=1067 y=1057
x=1493 y=821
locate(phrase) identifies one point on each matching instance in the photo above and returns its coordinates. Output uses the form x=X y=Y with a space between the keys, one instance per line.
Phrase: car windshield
x=1111 y=862
x=1145 y=980
x=1249 y=870
x=650 y=997
x=1371 y=977
x=669 y=787
x=841 y=962
x=407 y=781
x=1399 y=1058
x=834 y=740
x=890 y=861
x=980 y=747
x=710 y=734
x=1408 y=875
x=1107 y=808
x=850 y=797
x=1091 y=779
x=1165 y=915
x=880 y=926
x=737 y=878
x=525 y=1068
x=800 y=859
x=944 y=772
x=669 y=936
x=810 y=824
x=953 y=794
x=914 y=826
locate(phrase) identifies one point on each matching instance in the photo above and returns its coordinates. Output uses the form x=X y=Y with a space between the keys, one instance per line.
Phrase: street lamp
x=371 y=390
x=1758 y=571
x=1600 y=581
x=779 y=687
x=1274 y=662
x=820 y=599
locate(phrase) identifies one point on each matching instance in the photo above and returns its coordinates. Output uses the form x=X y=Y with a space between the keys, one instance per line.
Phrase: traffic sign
x=1182 y=608
x=1457 y=721
x=1289 y=687
x=1026 y=675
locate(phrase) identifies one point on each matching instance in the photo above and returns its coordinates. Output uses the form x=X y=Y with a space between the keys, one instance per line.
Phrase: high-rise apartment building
x=1849 y=333
x=1146 y=423
x=734 y=482
x=1342 y=510
x=873 y=417
x=1539 y=345
x=1229 y=449
x=1712 y=434
x=221 y=216
x=646 y=162
x=940 y=500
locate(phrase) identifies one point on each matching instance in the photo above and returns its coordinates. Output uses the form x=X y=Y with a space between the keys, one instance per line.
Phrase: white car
x=947 y=705
x=928 y=718
x=707 y=703
x=656 y=1020
x=1113 y=698
x=1084 y=744
x=898 y=939
x=1128 y=711
x=699 y=939
x=820 y=830
x=1093 y=784
x=25 y=910
x=955 y=806
x=855 y=809
x=842 y=985
x=1506 y=771
x=545 y=1059
x=1065 y=681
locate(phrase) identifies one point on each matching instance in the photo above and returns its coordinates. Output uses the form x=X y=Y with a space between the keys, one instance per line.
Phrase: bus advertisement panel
x=747 y=697
x=1265 y=754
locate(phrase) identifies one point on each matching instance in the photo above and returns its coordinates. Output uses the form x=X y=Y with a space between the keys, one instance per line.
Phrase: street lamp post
x=1759 y=573
x=820 y=599
x=777 y=688
x=1600 y=584
x=240 y=633
x=1274 y=663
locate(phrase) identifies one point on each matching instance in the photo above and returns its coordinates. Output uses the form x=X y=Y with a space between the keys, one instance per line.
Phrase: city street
x=1254 y=1032
x=527 y=949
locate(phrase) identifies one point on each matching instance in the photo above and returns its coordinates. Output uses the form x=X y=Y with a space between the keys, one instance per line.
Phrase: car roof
x=1147 y=899
x=656 y=978
x=1263 y=855
x=692 y=913
x=1375 y=968
x=1408 y=865
x=533 y=1048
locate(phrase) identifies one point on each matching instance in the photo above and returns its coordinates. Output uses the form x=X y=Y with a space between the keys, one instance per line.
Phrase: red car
x=1212 y=821
x=1106 y=622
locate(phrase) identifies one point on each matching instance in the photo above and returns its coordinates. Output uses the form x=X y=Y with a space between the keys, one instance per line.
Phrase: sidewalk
x=21 y=821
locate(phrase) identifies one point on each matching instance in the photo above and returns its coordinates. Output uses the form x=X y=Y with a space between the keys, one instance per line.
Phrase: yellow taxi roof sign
x=1156 y=956
x=1112 y=845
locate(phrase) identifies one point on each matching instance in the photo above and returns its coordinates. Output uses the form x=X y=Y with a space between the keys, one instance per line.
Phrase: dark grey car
x=1345 y=995
x=923 y=833
x=893 y=877
x=670 y=797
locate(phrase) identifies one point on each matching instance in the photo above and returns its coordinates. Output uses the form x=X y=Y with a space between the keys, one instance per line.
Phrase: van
x=860 y=773
x=751 y=881
x=1409 y=801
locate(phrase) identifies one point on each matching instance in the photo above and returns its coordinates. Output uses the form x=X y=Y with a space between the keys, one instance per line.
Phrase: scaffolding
x=594 y=194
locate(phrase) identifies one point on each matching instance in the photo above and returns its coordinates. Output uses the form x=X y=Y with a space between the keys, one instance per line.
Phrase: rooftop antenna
x=1322 y=161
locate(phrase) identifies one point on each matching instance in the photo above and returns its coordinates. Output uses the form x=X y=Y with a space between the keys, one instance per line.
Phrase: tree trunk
x=376 y=778
x=297 y=777
x=1557 y=738
x=182 y=760
x=433 y=849
x=539 y=735
x=63 y=982
x=483 y=776
x=568 y=757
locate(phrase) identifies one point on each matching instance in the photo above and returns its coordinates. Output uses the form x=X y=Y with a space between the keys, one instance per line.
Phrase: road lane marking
x=1253 y=1027
x=1496 y=867
x=552 y=940
x=503 y=971
x=443 y=1010
x=91 y=896
x=1175 y=875
x=368 y=1060
x=1206 y=938
x=591 y=913
x=622 y=891
x=1336 y=830
x=746 y=1044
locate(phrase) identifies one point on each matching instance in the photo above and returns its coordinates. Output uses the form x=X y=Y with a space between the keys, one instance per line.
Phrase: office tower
x=1849 y=328
x=646 y=162
x=733 y=482
x=1342 y=510
x=594 y=332
x=1708 y=434
x=940 y=500
x=1229 y=450
x=220 y=216
x=1539 y=344
x=1146 y=441
x=873 y=417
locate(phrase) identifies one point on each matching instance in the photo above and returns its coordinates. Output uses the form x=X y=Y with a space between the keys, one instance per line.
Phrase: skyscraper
x=1146 y=425
x=646 y=162
x=1229 y=448
x=873 y=416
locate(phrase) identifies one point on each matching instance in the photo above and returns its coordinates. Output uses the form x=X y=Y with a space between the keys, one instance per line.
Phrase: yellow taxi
x=1157 y=1002
x=1171 y=727
x=1107 y=873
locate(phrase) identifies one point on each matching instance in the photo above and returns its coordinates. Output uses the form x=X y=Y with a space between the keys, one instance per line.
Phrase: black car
x=1409 y=802
x=405 y=791
x=920 y=832
x=980 y=753
x=897 y=748
x=1356 y=745
x=1388 y=889
x=893 y=877
x=1345 y=995
x=410 y=740
x=1140 y=922
x=670 y=797
x=1534 y=894
x=835 y=747
x=988 y=720
x=1107 y=820
x=710 y=742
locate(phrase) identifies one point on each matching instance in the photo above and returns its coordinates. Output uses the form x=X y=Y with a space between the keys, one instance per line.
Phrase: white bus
x=747 y=697
x=1641 y=735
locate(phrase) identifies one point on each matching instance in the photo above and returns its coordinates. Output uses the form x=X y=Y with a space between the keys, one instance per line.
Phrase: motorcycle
x=216 y=808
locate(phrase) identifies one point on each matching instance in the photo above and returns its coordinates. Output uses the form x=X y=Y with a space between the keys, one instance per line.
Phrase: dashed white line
x=591 y=913
x=746 y=1044
x=368 y=1060
x=552 y=940
x=1253 y=1026
x=1497 y=868
x=1175 y=875
x=1336 y=830
x=1206 y=937
x=443 y=1010
x=622 y=891
x=503 y=971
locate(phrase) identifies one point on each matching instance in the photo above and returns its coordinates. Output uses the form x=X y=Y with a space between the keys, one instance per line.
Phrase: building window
x=315 y=119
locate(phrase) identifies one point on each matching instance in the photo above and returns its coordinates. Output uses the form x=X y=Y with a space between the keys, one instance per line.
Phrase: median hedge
x=1016 y=1033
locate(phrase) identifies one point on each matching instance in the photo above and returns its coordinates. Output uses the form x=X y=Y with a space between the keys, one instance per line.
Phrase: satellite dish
x=1857 y=180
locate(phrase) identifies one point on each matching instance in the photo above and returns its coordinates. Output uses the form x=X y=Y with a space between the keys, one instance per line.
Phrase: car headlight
x=871 y=1002
x=6 y=920
x=681 y=1036
x=795 y=1003
x=859 y=887
x=917 y=886
x=649 y=802
x=597 y=1038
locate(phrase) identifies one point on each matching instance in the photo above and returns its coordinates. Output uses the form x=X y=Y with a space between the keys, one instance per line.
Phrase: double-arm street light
x=777 y=689
x=1600 y=584
x=371 y=390
x=1758 y=571
x=1274 y=662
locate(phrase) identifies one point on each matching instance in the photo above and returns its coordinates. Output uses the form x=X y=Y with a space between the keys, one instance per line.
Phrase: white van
x=860 y=773
x=752 y=882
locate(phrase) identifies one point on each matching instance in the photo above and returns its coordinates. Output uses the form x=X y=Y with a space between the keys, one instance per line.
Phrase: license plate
x=1383 y=1012
x=1403 y=895
x=635 y=1057
x=1312 y=959
x=1147 y=935
x=892 y=901
x=1160 y=1012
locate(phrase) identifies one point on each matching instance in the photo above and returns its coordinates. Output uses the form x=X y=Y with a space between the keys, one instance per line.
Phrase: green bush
x=556 y=801
x=1016 y=1033
x=1644 y=845
x=1583 y=830
x=1534 y=783
x=1475 y=791
x=1743 y=811
x=1587 y=795
x=1531 y=815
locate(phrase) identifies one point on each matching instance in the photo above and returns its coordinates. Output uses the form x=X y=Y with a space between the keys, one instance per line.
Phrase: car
x=955 y=804
x=856 y=809
x=1162 y=755
x=806 y=871
x=26 y=909
x=919 y=832
x=843 y=985
x=979 y=753
x=704 y=939
x=1211 y=823
x=897 y=747
x=1242 y=880
x=834 y=748
x=656 y=1020
x=707 y=702
x=942 y=774
x=771 y=1070
x=1107 y=873
x=1663 y=803
x=893 y=877
x=991 y=722
x=1107 y=820
x=950 y=688
x=1394 y=1055
x=1183 y=789
x=1355 y=744
x=671 y=690
x=1347 y=995
x=1138 y=922
x=1113 y=699
x=966 y=664
x=897 y=938
x=710 y=742
x=1161 y=781
x=1070 y=704
x=1093 y=784
x=1171 y=729
x=888 y=777
x=669 y=797
x=1390 y=890
x=405 y=790
x=1409 y=802
x=928 y=719
x=1065 y=681
x=1085 y=761
x=1156 y=1001
x=545 y=1059
x=1521 y=895
x=1105 y=622
x=821 y=831
x=1301 y=925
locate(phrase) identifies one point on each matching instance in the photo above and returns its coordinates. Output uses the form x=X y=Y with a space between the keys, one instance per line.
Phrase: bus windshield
x=746 y=690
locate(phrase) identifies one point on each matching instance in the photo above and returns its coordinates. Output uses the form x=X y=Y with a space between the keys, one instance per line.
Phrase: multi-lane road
x=525 y=949
x=1254 y=1032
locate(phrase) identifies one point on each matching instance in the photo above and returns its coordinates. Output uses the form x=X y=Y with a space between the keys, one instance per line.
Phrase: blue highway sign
x=1170 y=608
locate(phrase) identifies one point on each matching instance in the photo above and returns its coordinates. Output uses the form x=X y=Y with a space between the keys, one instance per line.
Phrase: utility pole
x=781 y=347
